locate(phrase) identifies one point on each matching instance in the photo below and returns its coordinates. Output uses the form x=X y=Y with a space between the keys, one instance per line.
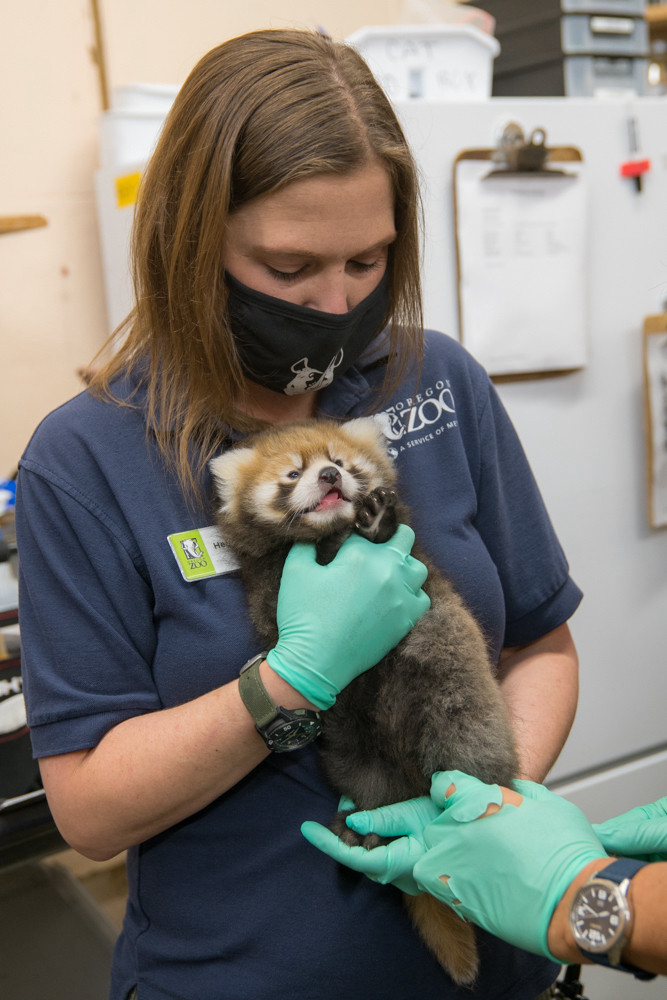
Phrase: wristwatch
x=600 y=916
x=282 y=729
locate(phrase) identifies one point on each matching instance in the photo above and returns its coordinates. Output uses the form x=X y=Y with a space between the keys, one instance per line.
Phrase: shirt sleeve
x=513 y=521
x=79 y=578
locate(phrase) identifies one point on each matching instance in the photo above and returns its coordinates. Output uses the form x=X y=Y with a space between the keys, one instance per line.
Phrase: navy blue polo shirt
x=233 y=903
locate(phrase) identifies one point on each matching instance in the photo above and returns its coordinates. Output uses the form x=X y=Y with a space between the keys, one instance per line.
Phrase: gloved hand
x=508 y=870
x=390 y=862
x=337 y=621
x=639 y=833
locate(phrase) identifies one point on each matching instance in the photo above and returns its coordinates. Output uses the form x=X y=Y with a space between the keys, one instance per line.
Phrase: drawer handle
x=612 y=25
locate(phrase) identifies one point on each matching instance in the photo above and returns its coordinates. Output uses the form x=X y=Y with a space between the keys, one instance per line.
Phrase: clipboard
x=520 y=214
x=655 y=407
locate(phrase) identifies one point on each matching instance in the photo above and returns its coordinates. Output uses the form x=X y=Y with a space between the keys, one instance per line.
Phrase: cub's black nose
x=330 y=475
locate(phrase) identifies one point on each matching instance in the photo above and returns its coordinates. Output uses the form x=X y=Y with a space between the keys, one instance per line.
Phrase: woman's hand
x=337 y=621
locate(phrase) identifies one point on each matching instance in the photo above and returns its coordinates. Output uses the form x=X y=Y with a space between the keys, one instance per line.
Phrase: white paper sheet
x=522 y=267
x=656 y=387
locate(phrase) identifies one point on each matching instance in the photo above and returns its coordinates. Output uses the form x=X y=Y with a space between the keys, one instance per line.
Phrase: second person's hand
x=388 y=863
x=639 y=833
x=503 y=858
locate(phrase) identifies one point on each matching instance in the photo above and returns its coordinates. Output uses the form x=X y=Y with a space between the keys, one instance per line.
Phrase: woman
x=276 y=236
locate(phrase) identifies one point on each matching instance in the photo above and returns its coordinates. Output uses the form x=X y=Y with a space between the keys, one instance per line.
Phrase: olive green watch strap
x=254 y=695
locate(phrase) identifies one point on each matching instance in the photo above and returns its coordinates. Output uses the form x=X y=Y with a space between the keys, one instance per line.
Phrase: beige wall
x=160 y=40
x=52 y=307
x=51 y=294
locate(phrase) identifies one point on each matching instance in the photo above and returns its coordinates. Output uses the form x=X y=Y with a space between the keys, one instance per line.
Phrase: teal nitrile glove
x=508 y=870
x=390 y=862
x=639 y=833
x=337 y=621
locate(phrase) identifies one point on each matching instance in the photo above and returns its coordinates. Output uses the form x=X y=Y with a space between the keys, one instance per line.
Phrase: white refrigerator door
x=583 y=432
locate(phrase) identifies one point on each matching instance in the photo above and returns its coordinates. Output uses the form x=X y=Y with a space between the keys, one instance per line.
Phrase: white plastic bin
x=144 y=97
x=429 y=62
x=128 y=131
x=127 y=136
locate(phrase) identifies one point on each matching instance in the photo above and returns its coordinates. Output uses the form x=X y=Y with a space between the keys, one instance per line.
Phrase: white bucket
x=446 y=62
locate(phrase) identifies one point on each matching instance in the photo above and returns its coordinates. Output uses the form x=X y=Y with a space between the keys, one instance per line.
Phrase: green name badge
x=200 y=553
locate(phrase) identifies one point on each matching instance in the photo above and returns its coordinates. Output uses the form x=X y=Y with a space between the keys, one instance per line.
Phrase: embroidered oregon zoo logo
x=307 y=378
x=420 y=418
x=200 y=553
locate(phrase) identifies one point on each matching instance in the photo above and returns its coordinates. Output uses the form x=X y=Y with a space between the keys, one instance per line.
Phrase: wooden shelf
x=656 y=13
x=16 y=223
x=656 y=16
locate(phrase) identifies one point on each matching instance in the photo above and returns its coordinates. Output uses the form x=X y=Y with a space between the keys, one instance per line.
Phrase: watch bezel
x=290 y=725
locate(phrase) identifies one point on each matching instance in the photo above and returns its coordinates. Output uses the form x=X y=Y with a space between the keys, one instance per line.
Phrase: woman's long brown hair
x=256 y=113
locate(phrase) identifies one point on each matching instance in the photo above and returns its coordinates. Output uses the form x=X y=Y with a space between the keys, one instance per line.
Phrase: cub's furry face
x=300 y=481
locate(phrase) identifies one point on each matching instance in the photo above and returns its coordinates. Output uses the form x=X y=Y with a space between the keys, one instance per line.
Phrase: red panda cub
x=432 y=703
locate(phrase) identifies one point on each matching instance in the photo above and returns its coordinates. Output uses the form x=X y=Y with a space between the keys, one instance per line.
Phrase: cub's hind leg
x=377 y=518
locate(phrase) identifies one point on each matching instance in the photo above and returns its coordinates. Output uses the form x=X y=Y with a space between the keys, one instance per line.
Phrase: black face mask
x=294 y=349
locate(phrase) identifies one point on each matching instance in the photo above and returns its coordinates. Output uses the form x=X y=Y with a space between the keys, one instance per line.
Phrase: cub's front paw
x=376 y=518
x=350 y=837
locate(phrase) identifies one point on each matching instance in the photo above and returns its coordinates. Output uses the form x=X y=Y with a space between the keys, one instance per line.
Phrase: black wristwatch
x=600 y=916
x=282 y=729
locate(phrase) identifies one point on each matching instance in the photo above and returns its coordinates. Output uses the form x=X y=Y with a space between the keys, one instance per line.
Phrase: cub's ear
x=228 y=470
x=366 y=431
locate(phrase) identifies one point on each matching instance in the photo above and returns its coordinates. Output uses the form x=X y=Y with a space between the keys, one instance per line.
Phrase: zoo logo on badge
x=201 y=553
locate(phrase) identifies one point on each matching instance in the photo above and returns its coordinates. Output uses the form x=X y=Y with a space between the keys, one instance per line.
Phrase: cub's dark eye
x=337 y=461
x=294 y=474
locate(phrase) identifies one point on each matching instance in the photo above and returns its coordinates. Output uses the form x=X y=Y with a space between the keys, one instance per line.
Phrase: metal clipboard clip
x=516 y=155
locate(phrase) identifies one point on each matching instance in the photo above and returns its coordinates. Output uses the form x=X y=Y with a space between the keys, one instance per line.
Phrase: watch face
x=283 y=736
x=598 y=916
